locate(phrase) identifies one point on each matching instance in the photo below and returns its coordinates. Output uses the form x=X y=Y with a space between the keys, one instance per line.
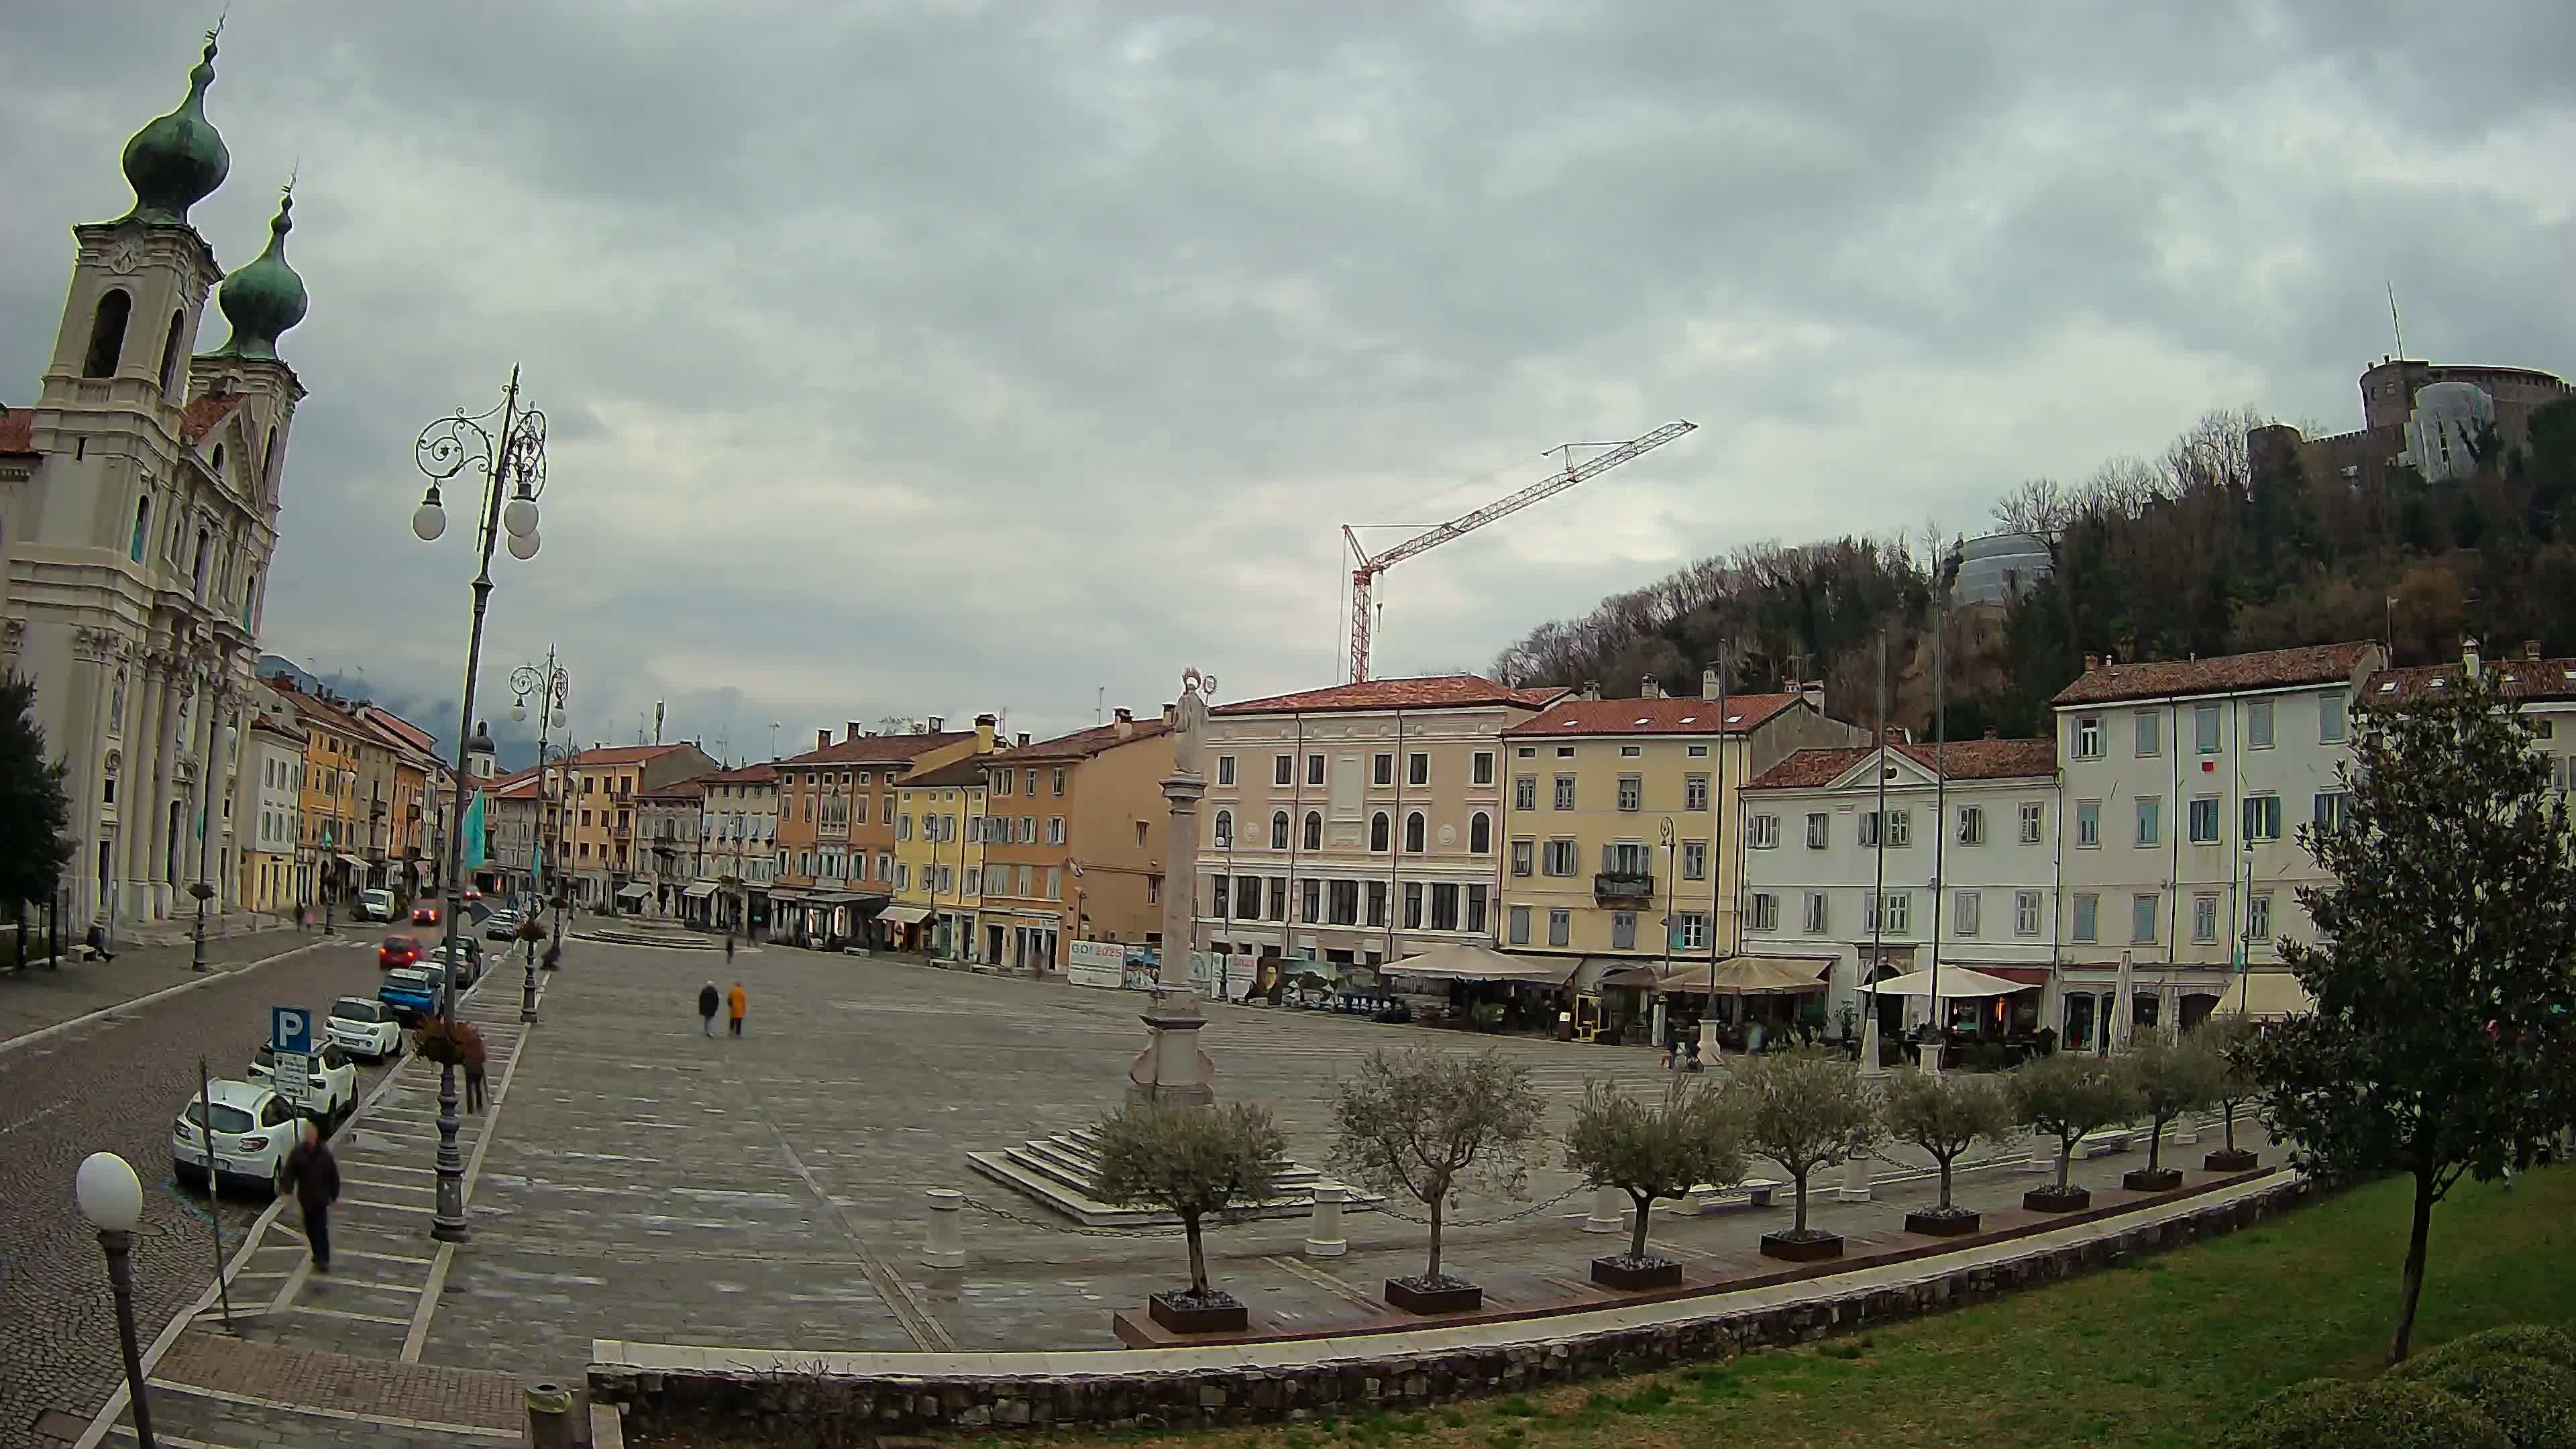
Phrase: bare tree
x=1427 y=1123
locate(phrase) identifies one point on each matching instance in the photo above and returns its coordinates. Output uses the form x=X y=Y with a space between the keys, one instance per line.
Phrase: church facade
x=138 y=515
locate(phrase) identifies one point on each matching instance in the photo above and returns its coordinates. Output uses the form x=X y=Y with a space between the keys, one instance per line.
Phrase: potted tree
x=2065 y=1096
x=2167 y=1079
x=2229 y=1039
x=1651 y=1152
x=1806 y=1112
x=1428 y=1123
x=1945 y=1115
x=1199 y=1162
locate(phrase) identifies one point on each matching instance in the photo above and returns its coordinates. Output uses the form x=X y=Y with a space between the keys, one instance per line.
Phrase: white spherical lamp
x=523 y=545
x=519 y=516
x=429 y=520
x=110 y=1195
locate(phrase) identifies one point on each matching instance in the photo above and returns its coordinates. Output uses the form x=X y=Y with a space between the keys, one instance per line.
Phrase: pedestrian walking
x=474 y=1098
x=315 y=1175
x=707 y=1007
x=728 y=950
x=554 y=956
x=98 y=942
x=735 y=1002
x=303 y=918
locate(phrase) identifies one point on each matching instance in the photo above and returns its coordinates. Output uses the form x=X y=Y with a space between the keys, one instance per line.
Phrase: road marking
x=416 y=1337
x=105 y=1013
x=1338 y=1287
x=346 y=1313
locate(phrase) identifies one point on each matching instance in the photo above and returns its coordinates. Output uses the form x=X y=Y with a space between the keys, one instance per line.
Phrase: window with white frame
x=1819 y=912
x=1417 y=768
x=1055 y=830
x=1765 y=911
x=1819 y=829
x=1868 y=829
x=2025 y=913
x=2151 y=819
x=1481 y=768
x=1525 y=792
x=1520 y=925
x=2262 y=817
x=1632 y=792
x=2142 y=919
x=2204 y=729
x=2033 y=820
x=1762 y=832
x=1560 y=858
x=2088 y=737
x=1564 y=799
x=1560 y=927
x=2204 y=820
x=1972 y=825
x=1225 y=769
x=2330 y=719
x=2204 y=919
x=1694 y=860
x=1900 y=828
x=1690 y=931
x=1524 y=855
x=1480 y=833
x=2332 y=808
x=1892 y=913
x=2258 y=916
x=2150 y=734
x=1965 y=909
x=2088 y=824
x=1278 y=830
x=2258 y=724
x=1314 y=769
x=2087 y=911
x=1283 y=769
x=1694 y=792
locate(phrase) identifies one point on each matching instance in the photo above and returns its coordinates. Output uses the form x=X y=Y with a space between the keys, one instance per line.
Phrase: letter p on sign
x=290 y=1029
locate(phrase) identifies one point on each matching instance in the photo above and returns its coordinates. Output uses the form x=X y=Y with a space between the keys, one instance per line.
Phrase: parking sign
x=290 y=1029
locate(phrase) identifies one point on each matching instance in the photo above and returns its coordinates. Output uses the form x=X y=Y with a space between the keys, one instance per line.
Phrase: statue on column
x=1189 y=720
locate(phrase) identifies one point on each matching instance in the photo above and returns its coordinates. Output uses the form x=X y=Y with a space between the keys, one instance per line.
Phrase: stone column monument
x=1172 y=1068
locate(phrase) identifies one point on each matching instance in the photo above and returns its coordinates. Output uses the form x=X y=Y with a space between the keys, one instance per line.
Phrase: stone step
x=1076 y=1203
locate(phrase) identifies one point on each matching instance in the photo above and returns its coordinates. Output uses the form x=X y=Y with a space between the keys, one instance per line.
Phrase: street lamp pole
x=551 y=685
x=111 y=1197
x=216 y=729
x=513 y=465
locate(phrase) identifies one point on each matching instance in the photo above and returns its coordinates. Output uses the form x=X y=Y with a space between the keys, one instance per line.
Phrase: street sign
x=290 y=1075
x=290 y=1029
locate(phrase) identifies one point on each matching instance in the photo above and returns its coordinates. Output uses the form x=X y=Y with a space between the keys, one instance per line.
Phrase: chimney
x=1650 y=688
x=1126 y=723
x=938 y=723
x=1171 y=715
x=1708 y=686
x=851 y=731
x=1021 y=739
x=984 y=727
x=1591 y=690
x=822 y=739
x=2531 y=649
x=2092 y=662
x=2469 y=655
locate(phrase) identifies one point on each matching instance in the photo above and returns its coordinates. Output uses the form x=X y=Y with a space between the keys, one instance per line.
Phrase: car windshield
x=419 y=979
x=228 y=1118
x=351 y=1008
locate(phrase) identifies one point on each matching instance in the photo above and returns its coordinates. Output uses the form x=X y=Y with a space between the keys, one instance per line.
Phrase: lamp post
x=218 y=745
x=563 y=759
x=551 y=685
x=111 y=1197
x=513 y=465
x=1672 y=873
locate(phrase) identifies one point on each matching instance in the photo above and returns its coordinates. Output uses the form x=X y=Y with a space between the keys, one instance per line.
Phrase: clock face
x=125 y=256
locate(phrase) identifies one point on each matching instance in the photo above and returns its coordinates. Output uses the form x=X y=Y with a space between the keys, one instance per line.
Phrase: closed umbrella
x=2116 y=1031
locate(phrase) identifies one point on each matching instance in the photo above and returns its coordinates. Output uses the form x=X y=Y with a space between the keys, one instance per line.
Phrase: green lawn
x=2167 y=1351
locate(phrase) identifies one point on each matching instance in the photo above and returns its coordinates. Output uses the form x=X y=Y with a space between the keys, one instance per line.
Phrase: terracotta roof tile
x=17 y=430
x=205 y=413
x=2270 y=669
x=1083 y=744
x=1438 y=691
x=760 y=774
x=1654 y=716
x=968 y=771
x=2516 y=678
x=1959 y=759
x=877 y=749
x=603 y=755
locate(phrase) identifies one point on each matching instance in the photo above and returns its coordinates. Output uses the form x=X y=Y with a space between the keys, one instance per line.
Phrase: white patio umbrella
x=2116 y=1031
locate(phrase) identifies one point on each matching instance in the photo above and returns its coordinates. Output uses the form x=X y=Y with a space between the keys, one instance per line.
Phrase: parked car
x=503 y=926
x=375 y=905
x=469 y=959
x=252 y=1130
x=362 y=1027
x=409 y=994
x=398 y=951
x=331 y=1088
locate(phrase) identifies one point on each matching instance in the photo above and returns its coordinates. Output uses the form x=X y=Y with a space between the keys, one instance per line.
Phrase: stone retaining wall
x=825 y=1408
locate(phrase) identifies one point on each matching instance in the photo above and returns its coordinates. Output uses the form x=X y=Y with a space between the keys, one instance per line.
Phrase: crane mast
x=1364 y=577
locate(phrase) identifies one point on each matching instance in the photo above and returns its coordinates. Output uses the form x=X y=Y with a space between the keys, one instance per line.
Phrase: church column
x=176 y=692
x=84 y=757
x=134 y=803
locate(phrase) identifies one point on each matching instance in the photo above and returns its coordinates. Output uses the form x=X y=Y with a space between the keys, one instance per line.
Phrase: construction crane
x=1364 y=576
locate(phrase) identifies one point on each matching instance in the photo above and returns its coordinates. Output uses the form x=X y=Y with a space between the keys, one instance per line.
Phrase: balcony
x=1620 y=885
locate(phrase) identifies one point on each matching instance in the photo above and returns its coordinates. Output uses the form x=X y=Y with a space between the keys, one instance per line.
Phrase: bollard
x=1324 y=1231
x=2043 y=1154
x=2186 y=1131
x=944 y=1245
x=549 y=1415
x=1855 y=1186
x=1609 y=1211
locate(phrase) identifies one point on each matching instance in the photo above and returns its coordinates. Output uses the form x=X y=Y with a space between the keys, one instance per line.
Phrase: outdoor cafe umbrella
x=1956 y=982
x=1734 y=976
x=1468 y=962
x=2116 y=1030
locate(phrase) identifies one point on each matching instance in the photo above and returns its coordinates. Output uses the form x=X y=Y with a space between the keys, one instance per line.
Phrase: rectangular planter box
x=2223 y=1160
x=1801 y=1250
x=1613 y=1273
x=1934 y=1225
x=2046 y=1200
x=2162 y=1179
x=1232 y=1318
x=1464 y=1298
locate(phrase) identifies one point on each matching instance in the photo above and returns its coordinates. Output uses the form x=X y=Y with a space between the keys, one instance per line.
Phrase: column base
x=1182 y=1094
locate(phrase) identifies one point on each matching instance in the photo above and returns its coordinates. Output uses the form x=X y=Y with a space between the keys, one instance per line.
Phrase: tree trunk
x=1945 y=1183
x=2155 y=1141
x=1800 y=1225
x=2065 y=1161
x=1198 y=1255
x=1637 y=1239
x=2227 y=1121
x=1431 y=1273
x=2416 y=1235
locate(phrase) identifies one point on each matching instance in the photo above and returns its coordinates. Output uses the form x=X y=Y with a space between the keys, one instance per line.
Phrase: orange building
x=598 y=825
x=836 y=828
x=1074 y=828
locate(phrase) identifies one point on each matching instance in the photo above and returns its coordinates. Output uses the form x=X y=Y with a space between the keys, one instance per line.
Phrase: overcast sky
x=922 y=358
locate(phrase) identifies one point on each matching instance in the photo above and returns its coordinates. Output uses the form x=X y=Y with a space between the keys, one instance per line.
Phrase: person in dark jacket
x=707 y=1007
x=98 y=942
x=315 y=1175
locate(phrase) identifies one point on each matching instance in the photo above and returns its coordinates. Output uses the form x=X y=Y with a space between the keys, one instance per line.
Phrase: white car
x=361 y=1026
x=375 y=905
x=253 y=1130
x=330 y=1089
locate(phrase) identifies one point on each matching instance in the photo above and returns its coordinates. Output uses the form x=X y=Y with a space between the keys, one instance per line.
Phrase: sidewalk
x=43 y=996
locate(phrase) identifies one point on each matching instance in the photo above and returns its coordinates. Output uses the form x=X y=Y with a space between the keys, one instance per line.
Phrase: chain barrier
x=1424 y=1220
x=1024 y=1220
x=1008 y=1216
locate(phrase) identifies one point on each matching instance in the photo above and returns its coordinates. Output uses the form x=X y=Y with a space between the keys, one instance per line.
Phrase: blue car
x=409 y=995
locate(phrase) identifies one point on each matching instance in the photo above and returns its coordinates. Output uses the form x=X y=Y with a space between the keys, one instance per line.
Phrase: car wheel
x=278 y=1186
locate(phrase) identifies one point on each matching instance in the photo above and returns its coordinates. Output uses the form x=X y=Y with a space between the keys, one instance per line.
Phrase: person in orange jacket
x=736 y=1001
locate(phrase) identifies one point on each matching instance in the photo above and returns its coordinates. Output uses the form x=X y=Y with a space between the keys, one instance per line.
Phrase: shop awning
x=2267 y=996
x=1465 y=962
x=904 y=915
x=352 y=862
x=700 y=890
x=1734 y=976
x=635 y=892
x=1956 y=981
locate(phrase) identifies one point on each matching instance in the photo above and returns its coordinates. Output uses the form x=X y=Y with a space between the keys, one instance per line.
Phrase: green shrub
x=2382 y=1413
x=2534 y=1403
x=2521 y=1340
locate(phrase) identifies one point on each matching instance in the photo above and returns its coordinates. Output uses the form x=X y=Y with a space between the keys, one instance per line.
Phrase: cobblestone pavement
x=42 y=996
x=117 y=1084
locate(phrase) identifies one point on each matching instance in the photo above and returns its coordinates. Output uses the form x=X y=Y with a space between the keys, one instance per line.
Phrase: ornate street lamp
x=111 y=1197
x=551 y=685
x=512 y=460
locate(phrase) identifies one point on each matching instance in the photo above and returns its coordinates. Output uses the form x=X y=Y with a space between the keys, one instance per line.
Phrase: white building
x=2185 y=782
x=2542 y=690
x=138 y=512
x=269 y=815
x=1962 y=867
x=739 y=825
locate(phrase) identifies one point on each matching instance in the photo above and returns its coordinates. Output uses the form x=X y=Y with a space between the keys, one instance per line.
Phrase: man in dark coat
x=707 y=1007
x=315 y=1175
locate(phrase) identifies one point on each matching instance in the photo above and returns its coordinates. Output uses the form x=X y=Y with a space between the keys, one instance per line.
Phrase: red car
x=398 y=951
x=424 y=915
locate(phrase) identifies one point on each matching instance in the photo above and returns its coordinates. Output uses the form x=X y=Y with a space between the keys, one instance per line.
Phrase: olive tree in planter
x=2168 y=1079
x=1807 y=1111
x=1201 y=1163
x=1429 y=1123
x=2065 y=1096
x=1695 y=1136
x=1945 y=1115
x=2230 y=1039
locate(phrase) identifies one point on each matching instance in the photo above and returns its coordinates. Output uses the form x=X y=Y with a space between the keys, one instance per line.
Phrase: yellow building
x=835 y=839
x=597 y=789
x=939 y=859
x=1620 y=825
